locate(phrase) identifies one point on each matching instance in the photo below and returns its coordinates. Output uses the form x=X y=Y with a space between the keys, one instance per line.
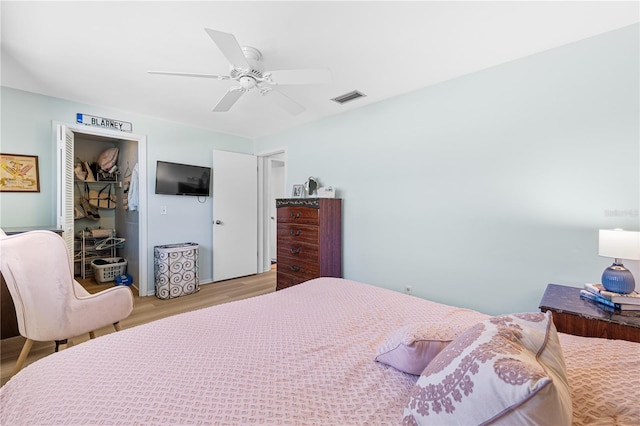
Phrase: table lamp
x=618 y=244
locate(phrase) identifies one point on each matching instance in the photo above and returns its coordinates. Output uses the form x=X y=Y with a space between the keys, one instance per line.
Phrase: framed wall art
x=19 y=173
x=297 y=191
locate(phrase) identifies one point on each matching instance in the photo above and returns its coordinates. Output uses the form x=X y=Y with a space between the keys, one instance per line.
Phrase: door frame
x=264 y=172
x=143 y=287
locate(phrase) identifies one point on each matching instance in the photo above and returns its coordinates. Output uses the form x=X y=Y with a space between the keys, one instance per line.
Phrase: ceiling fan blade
x=302 y=76
x=229 y=98
x=229 y=47
x=285 y=102
x=191 y=74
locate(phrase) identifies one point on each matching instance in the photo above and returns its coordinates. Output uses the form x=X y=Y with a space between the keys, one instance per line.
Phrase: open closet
x=103 y=226
x=103 y=223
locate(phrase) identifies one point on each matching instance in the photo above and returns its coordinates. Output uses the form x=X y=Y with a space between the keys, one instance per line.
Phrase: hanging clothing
x=127 y=184
x=132 y=196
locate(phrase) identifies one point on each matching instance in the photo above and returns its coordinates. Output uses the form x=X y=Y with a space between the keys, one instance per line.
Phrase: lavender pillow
x=505 y=370
x=411 y=347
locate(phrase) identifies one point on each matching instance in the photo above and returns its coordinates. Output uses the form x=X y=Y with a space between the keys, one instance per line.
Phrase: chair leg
x=23 y=356
x=92 y=335
x=116 y=325
x=60 y=342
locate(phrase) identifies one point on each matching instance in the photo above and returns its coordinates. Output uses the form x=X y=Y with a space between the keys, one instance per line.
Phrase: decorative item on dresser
x=309 y=239
x=618 y=244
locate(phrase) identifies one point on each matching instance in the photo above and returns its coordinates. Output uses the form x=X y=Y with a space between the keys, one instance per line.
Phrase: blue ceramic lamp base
x=618 y=279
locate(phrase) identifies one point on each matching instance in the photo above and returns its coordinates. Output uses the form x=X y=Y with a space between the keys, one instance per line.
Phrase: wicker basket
x=108 y=272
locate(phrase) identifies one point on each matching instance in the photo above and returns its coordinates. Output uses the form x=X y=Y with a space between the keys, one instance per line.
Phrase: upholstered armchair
x=50 y=304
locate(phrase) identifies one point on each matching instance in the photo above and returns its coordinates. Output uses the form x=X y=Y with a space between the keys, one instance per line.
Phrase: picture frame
x=297 y=191
x=19 y=173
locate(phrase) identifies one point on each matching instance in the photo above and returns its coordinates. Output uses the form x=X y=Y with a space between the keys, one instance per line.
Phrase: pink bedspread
x=604 y=376
x=304 y=355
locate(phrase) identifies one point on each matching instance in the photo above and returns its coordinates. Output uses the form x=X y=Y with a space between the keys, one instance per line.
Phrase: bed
x=304 y=355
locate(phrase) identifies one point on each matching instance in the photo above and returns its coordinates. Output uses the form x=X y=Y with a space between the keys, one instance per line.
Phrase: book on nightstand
x=632 y=298
x=596 y=298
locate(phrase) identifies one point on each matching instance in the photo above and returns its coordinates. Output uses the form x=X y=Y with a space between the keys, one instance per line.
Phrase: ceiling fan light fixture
x=247 y=82
x=348 y=97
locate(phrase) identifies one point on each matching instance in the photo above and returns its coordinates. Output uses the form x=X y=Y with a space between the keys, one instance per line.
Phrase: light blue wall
x=481 y=190
x=476 y=192
x=26 y=129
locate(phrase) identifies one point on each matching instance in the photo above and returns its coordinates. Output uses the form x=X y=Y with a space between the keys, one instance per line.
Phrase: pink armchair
x=50 y=304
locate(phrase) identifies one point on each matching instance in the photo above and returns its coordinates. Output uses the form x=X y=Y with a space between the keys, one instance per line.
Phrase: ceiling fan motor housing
x=248 y=78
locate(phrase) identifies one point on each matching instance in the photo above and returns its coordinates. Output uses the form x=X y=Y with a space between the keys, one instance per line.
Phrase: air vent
x=348 y=97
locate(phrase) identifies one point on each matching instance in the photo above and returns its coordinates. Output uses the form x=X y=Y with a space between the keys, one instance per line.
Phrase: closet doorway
x=77 y=144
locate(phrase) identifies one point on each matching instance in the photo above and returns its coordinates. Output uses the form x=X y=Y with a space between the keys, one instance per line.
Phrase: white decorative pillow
x=505 y=370
x=411 y=347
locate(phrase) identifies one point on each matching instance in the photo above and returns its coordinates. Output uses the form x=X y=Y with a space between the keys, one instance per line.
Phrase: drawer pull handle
x=295 y=233
x=295 y=216
x=295 y=268
x=295 y=250
x=290 y=281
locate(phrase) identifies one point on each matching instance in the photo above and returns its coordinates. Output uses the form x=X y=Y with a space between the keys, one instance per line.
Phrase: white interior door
x=64 y=202
x=235 y=215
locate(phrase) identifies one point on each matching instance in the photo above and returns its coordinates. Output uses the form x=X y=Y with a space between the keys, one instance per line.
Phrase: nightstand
x=580 y=317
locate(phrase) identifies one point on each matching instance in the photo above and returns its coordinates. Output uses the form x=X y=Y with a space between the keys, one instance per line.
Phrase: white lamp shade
x=619 y=244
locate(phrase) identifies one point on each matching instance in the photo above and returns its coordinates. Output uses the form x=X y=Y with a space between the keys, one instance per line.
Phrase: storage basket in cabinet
x=176 y=270
x=107 y=269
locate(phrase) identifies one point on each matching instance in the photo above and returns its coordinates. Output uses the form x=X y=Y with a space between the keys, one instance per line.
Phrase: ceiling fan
x=246 y=68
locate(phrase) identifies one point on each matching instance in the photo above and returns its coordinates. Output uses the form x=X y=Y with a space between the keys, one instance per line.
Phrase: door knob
x=218 y=222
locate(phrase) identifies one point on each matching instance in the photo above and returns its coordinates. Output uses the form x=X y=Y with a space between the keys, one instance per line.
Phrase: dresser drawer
x=298 y=267
x=304 y=215
x=285 y=280
x=298 y=250
x=297 y=233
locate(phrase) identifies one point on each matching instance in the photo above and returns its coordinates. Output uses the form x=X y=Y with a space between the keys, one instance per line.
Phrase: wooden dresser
x=309 y=239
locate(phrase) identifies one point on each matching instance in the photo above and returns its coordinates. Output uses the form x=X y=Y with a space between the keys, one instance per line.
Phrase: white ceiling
x=99 y=52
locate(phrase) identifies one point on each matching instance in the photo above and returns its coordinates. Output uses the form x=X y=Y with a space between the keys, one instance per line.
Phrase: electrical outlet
x=163 y=209
x=408 y=289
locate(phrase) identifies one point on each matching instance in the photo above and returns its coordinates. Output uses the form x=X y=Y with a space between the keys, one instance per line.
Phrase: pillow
x=108 y=158
x=411 y=347
x=505 y=370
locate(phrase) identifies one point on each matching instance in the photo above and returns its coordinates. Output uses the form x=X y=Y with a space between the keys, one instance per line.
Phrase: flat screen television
x=182 y=179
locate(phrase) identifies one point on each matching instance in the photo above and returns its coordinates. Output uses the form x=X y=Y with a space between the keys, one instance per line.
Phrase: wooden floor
x=146 y=309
